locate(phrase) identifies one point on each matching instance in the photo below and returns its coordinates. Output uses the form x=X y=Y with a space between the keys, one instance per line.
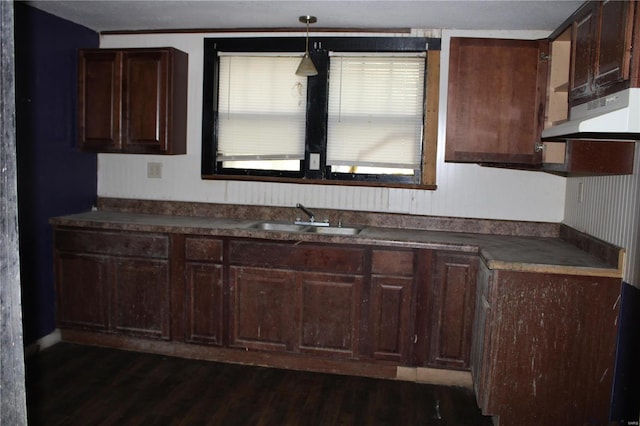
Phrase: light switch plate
x=314 y=161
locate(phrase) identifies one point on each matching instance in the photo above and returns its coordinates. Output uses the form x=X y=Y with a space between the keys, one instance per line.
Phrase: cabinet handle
x=538 y=147
x=485 y=302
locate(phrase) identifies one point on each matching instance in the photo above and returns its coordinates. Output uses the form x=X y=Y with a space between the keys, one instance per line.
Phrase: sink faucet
x=312 y=218
x=307 y=212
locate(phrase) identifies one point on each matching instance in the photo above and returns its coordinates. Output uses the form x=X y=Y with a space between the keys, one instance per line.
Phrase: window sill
x=429 y=187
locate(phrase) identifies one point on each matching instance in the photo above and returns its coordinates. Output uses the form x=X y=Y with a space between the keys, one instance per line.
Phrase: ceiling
x=116 y=15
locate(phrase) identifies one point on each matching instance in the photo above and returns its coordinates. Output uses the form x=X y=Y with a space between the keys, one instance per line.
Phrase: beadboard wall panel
x=464 y=190
x=608 y=207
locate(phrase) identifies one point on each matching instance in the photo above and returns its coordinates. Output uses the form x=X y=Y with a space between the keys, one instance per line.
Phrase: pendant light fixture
x=306 y=67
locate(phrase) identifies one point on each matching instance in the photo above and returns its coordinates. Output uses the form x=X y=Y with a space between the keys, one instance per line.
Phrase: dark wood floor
x=71 y=384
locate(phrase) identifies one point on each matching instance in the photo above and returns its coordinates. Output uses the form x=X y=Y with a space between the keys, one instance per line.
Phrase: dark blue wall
x=54 y=178
x=625 y=407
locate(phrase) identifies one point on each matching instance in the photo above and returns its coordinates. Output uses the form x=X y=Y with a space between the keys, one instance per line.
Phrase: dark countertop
x=504 y=252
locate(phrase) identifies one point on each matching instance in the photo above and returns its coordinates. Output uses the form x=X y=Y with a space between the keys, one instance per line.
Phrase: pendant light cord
x=307 y=43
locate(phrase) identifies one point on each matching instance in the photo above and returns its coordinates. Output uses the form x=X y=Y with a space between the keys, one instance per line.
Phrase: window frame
x=317 y=107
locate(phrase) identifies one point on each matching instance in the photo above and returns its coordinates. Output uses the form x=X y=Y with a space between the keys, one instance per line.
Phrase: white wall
x=608 y=207
x=464 y=190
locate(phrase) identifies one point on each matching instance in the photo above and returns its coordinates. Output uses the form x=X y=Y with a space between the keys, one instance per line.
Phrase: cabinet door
x=82 y=296
x=481 y=338
x=204 y=303
x=392 y=293
x=330 y=314
x=99 y=88
x=583 y=53
x=601 y=54
x=144 y=104
x=614 y=52
x=497 y=90
x=263 y=308
x=141 y=297
x=453 y=305
x=390 y=317
x=133 y=100
x=204 y=300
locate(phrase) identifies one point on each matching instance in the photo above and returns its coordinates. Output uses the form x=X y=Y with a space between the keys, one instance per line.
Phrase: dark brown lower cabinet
x=282 y=297
x=203 y=301
x=113 y=282
x=204 y=292
x=540 y=346
x=141 y=297
x=544 y=347
x=330 y=314
x=82 y=290
x=264 y=308
x=452 y=290
x=329 y=301
x=392 y=305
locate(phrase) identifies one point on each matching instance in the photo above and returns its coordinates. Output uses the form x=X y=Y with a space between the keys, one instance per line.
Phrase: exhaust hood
x=614 y=116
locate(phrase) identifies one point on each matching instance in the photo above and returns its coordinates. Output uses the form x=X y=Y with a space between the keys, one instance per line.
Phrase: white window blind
x=261 y=108
x=376 y=108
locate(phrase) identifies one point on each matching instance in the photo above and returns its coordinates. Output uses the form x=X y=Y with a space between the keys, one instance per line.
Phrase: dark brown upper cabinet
x=601 y=51
x=503 y=93
x=132 y=100
x=496 y=100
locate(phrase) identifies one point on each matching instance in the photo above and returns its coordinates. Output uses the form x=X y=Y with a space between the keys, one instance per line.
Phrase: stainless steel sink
x=333 y=230
x=292 y=227
x=278 y=226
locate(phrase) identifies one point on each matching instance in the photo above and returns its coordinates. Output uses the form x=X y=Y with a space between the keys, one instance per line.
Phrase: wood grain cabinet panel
x=453 y=294
x=584 y=157
x=99 y=89
x=390 y=319
x=144 y=104
x=583 y=50
x=297 y=256
x=132 y=100
x=82 y=296
x=601 y=53
x=390 y=322
x=330 y=314
x=204 y=291
x=264 y=306
x=141 y=297
x=496 y=96
x=115 y=282
x=545 y=338
x=204 y=302
x=480 y=338
x=614 y=38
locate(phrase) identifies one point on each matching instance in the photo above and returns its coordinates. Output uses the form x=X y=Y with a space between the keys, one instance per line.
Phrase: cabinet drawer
x=113 y=243
x=206 y=249
x=392 y=262
x=299 y=256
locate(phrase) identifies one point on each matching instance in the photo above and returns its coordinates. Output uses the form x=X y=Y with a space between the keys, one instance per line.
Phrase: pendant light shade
x=306 y=67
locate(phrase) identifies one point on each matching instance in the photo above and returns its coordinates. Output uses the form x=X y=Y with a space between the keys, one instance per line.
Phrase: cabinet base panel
x=270 y=359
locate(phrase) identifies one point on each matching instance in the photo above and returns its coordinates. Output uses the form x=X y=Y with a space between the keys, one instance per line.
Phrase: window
x=261 y=112
x=361 y=120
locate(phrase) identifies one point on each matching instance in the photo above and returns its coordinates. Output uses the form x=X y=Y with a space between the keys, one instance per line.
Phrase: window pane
x=288 y=165
x=372 y=170
x=261 y=111
x=376 y=111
